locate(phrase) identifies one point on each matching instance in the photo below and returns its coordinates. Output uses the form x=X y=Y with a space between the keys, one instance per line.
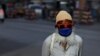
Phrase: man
x=63 y=42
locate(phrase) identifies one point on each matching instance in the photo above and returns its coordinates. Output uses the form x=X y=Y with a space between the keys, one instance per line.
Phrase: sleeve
x=46 y=47
x=80 y=49
x=80 y=42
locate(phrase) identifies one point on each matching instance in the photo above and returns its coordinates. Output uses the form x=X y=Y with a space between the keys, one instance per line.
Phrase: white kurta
x=51 y=46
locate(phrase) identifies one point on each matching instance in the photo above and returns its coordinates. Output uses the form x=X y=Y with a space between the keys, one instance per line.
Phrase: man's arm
x=46 y=47
x=80 y=44
x=80 y=50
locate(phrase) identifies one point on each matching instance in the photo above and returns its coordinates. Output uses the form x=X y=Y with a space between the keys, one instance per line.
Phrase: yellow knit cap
x=62 y=15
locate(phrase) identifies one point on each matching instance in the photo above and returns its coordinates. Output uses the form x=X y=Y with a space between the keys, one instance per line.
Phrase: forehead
x=64 y=21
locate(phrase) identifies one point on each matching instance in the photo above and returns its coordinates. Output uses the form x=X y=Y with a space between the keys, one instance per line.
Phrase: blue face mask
x=65 y=32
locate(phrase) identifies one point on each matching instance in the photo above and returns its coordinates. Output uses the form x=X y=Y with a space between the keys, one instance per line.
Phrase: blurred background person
x=4 y=7
x=45 y=11
x=2 y=14
x=94 y=10
x=72 y=4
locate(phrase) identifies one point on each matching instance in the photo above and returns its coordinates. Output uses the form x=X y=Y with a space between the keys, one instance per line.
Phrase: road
x=28 y=36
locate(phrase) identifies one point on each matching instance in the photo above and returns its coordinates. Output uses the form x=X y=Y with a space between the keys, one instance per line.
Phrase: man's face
x=64 y=27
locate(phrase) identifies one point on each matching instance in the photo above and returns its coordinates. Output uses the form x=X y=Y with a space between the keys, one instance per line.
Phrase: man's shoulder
x=48 y=39
x=78 y=39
